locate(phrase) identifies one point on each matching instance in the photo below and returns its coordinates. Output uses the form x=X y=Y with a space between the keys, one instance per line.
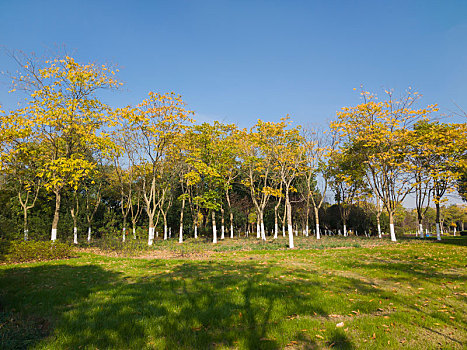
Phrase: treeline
x=70 y=160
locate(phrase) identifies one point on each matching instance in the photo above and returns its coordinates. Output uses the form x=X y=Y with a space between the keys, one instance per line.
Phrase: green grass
x=410 y=294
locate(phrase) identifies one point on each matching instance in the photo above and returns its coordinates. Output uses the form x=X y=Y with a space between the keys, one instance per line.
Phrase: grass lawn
x=359 y=293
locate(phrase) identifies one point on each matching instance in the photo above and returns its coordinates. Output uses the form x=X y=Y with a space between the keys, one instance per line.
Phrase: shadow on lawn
x=189 y=306
x=457 y=240
x=41 y=295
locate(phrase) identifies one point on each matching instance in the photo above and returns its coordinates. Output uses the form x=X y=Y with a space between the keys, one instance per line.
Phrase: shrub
x=463 y=233
x=23 y=251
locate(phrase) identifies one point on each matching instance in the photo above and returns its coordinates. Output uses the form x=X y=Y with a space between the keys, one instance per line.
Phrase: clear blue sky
x=237 y=61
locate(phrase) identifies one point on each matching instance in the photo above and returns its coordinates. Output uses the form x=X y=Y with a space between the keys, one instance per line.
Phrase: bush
x=23 y=251
x=463 y=233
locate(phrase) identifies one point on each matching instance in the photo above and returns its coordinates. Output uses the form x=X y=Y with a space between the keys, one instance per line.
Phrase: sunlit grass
x=379 y=296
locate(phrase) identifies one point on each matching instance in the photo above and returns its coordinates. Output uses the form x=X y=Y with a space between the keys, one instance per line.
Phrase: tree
x=151 y=127
x=65 y=115
x=258 y=166
x=287 y=152
x=346 y=175
x=441 y=147
x=21 y=165
x=211 y=162
x=378 y=132
x=317 y=149
x=420 y=158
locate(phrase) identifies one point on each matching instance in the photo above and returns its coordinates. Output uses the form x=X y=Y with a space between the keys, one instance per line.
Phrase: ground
x=359 y=293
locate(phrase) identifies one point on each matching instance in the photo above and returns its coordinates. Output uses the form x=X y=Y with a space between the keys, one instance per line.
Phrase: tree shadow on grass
x=32 y=299
x=194 y=305
x=460 y=241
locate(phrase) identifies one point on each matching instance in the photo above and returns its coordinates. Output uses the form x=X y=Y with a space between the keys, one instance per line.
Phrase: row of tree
x=65 y=141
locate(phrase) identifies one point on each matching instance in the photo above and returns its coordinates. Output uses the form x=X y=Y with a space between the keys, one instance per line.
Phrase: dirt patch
x=149 y=255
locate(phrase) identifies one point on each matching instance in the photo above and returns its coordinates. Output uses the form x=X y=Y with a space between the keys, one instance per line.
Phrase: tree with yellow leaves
x=152 y=126
x=288 y=155
x=378 y=131
x=441 y=150
x=317 y=149
x=346 y=174
x=65 y=116
x=258 y=166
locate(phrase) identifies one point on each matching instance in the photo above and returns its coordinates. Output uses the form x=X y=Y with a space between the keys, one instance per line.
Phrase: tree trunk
x=231 y=225
x=75 y=229
x=75 y=235
x=316 y=211
x=307 y=219
x=283 y=221
x=378 y=223
x=289 y=219
x=276 y=225
x=89 y=234
x=151 y=230
x=124 y=229
x=180 y=237
x=56 y=216
x=263 y=233
x=438 y=221
x=391 y=226
x=214 y=230
x=222 y=224
x=26 y=231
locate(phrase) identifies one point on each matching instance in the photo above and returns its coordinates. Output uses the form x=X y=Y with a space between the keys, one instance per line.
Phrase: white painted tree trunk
x=263 y=233
x=214 y=230
x=196 y=231
x=455 y=229
x=291 y=245
x=27 y=231
x=89 y=234
x=222 y=232
x=180 y=235
x=124 y=234
x=170 y=232
x=420 y=230
x=53 y=237
x=306 y=231
x=231 y=231
x=438 y=232
x=356 y=233
x=258 y=230
x=318 y=236
x=393 y=232
x=379 y=230
x=165 y=232
x=283 y=231
x=276 y=229
x=151 y=235
x=134 y=232
x=345 y=230
x=296 y=232
x=75 y=235
x=339 y=232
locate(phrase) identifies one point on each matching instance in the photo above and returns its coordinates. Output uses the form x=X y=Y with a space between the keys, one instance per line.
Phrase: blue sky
x=237 y=61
